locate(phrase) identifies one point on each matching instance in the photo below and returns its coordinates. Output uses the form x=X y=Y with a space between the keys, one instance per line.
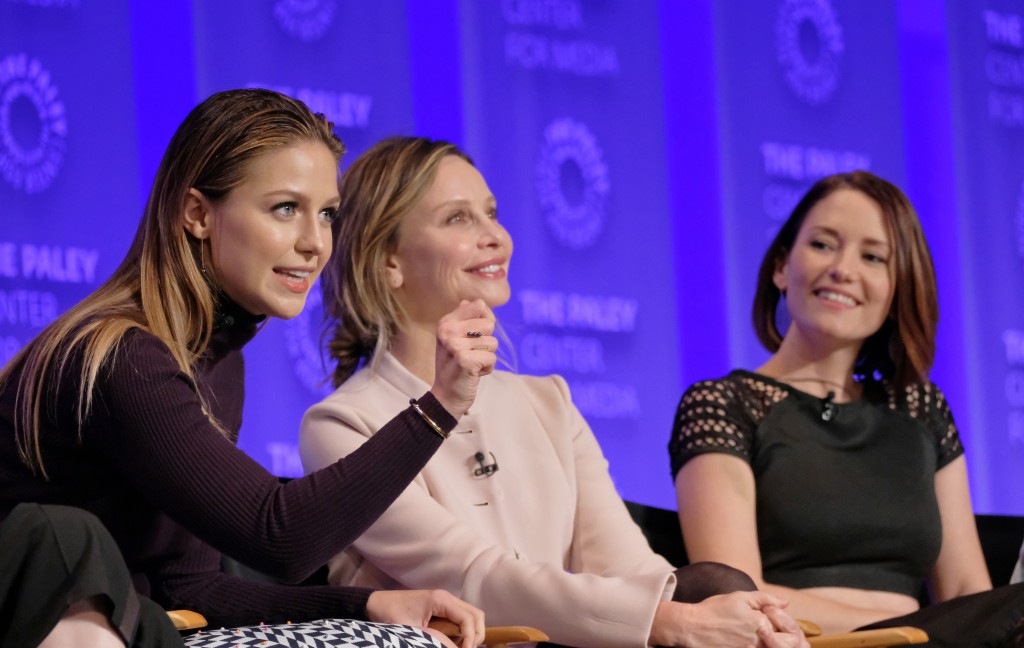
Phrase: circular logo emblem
x=572 y=183
x=302 y=339
x=307 y=20
x=32 y=124
x=809 y=43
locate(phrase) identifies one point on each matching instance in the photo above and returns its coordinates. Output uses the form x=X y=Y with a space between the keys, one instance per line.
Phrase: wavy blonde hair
x=377 y=191
x=160 y=285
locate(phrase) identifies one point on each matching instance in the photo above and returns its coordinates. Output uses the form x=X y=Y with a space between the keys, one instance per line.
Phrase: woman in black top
x=833 y=474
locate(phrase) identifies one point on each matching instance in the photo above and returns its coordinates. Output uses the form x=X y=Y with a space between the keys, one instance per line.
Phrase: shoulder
x=721 y=415
x=551 y=386
x=362 y=403
x=924 y=403
x=140 y=356
x=743 y=389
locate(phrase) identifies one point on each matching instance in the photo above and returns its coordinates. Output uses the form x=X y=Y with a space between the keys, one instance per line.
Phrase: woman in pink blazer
x=516 y=513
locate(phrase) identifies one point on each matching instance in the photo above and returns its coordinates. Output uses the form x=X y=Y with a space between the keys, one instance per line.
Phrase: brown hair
x=160 y=286
x=383 y=185
x=902 y=350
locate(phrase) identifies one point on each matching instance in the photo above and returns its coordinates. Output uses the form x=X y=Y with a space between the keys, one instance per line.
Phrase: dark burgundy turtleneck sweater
x=175 y=492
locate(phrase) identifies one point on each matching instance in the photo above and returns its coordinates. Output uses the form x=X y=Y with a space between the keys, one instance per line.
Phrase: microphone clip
x=828 y=406
x=485 y=469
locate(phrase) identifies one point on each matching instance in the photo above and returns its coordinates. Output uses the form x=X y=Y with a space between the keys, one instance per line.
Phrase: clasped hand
x=737 y=620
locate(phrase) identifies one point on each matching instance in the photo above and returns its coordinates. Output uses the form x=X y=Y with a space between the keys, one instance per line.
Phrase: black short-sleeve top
x=843 y=502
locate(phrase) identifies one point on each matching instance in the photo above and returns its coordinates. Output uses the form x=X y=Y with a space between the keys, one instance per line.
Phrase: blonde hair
x=160 y=286
x=383 y=185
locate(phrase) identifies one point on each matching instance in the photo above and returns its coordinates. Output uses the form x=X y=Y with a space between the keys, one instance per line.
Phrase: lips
x=836 y=297
x=298 y=275
x=294 y=279
x=491 y=267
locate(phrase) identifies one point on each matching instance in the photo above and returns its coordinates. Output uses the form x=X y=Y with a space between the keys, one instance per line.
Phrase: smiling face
x=838 y=277
x=270 y=236
x=450 y=246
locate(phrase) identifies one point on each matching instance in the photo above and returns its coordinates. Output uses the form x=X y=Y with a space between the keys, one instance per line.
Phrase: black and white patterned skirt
x=327 y=633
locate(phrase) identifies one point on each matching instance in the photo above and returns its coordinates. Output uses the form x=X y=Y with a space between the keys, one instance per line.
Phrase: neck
x=813 y=369
x=414 y=346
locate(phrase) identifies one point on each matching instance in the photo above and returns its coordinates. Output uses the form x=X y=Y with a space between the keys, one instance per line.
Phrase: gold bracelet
x=437 y=428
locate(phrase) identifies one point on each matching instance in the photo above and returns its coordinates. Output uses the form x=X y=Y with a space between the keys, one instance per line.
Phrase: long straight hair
x=160 y=286
x=903 y=349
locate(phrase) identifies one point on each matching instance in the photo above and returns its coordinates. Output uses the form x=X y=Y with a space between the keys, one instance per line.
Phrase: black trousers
x=54 y=556
x=994 y=618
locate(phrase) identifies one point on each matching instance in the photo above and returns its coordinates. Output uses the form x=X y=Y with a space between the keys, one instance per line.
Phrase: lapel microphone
x=485 y=469
x=828 y=407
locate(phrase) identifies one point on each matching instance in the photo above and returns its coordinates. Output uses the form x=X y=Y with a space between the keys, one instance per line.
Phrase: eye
x=457 y=217
x=492 y=213
x=286 y=208
x=875 y=258
x=820 y=244
x=328 y=215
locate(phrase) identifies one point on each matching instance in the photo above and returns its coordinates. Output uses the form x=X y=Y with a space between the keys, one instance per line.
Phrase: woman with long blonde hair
x=127 y=408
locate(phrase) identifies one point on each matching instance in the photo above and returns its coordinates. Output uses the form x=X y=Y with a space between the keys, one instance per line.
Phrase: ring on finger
x=474 y=334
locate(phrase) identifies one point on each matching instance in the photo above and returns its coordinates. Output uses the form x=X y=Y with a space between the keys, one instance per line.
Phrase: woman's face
x=838 y=277
x=450 y=246
x=271 y=235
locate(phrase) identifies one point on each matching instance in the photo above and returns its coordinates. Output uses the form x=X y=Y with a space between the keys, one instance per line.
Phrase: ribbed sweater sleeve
x=151 y=427
x=230 y=601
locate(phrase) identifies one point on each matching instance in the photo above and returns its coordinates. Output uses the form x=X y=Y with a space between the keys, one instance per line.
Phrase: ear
x=197 y=214
x=779 y=277
x=393 y=272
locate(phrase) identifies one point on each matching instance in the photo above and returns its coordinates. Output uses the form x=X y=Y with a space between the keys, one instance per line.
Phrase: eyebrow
x=297 y=196
x=831 y=232
x=490 y=200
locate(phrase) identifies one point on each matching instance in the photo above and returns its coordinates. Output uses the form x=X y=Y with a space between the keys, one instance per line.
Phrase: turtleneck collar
x=233 y=326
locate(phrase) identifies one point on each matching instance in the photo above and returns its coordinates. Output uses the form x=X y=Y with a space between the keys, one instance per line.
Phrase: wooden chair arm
x=494 y=636
x=900 y=636
x=809 y=628
x=187 y=619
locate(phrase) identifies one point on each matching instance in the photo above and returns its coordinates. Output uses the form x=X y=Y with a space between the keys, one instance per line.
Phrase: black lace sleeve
x=939 y=419
x=711 y=418
x=926 y=404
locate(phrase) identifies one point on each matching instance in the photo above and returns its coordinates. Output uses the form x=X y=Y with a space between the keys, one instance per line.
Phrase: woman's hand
x=466 y=350
x=737 y=620
x=417 y=607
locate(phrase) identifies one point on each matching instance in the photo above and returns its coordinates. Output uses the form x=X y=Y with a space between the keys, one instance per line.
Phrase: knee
x=41 y=525
x=701 y=580
x=726 y=578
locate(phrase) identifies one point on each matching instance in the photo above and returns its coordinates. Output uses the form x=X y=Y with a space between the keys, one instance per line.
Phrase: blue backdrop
x=643 y=154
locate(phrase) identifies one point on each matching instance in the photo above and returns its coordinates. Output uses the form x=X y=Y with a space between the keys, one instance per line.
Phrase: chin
x=287 y=311
x=499 y=299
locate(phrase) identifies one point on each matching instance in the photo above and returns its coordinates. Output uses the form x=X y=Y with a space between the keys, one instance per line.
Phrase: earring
x=202 y=259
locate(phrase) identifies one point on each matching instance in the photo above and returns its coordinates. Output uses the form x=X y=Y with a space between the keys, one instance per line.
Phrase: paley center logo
x=302 y=339
x=809 y=46
x=572 y=183
x=307 y=20
x=33 y=125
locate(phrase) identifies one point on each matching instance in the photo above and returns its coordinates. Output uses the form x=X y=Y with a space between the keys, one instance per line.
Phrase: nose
x=313 y=237
x=843 y=268
x=493 y=234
